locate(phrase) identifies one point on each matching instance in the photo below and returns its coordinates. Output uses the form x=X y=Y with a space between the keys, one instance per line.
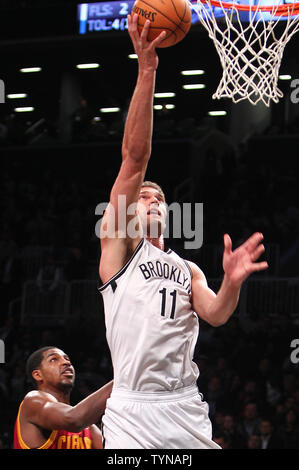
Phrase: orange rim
x=284 y=10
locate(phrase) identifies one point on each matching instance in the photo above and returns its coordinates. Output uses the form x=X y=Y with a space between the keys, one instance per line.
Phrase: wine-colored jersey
x=57 y=439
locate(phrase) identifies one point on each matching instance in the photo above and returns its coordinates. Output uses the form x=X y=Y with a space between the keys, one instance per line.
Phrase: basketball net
x=250 y=51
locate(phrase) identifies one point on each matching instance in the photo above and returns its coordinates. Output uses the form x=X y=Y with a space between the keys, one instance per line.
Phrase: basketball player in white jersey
x=153 y=299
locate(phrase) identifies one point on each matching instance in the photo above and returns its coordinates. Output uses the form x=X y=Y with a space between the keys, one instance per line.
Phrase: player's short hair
x=152 y=184
x=34 y=362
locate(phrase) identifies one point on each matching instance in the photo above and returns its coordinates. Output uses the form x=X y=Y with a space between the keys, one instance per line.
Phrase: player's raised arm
x=136 y=150
x=137 y=138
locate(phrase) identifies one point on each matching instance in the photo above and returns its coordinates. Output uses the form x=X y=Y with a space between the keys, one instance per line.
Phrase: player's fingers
x=159 y=39
x=260 y=266
x=257 y=252
x=253 y=241
x=133 y=30
x=227 y=243
x=135 y=19
x=145 y=30
x=132 y=24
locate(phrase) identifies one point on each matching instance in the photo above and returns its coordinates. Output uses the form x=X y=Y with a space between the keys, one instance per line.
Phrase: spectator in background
x=230 y=431
x=18 y=383
x=218 y=423
x=249 y=423
x=8 y=332
x=289 y=403
x=234 y=390
x=52 y=198
x=89 y=373
x=85 y=330
x=251 y=393
x=3 y=131
x=273 y=393
x=81 y=121
x=22 y=347
x=288 y=383
x=223 y=371
x=254 y=442
x=269 y=436
x=296 y=396
x=39 y=228
x=214 y=395
x=4 y=392
x=223 y=441
x=11 y=278
x=49 y=275
x=289 y=430
x=279 y=414
x=75 y=266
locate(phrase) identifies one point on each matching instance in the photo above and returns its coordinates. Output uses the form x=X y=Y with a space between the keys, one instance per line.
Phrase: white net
x=250 y=51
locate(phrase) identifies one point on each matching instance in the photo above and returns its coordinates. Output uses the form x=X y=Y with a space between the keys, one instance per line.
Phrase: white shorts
x=161 y=420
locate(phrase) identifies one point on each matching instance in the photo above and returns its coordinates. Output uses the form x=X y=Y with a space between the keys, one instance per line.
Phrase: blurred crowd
x=246 y=374
x=250 y=383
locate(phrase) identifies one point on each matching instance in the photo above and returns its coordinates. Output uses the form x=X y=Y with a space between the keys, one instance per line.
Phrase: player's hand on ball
x=241 y=262
x=145 y=49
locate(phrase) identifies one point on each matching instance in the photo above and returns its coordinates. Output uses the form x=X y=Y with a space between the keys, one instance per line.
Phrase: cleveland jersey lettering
x=57 y=439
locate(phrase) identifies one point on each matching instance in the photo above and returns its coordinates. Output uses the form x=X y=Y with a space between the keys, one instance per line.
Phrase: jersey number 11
x=163 y=304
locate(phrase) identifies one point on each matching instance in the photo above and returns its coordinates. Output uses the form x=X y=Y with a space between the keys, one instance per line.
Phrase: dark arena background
x=58 y=162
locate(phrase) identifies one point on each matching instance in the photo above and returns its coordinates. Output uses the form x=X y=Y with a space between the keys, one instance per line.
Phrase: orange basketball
x=172 y=16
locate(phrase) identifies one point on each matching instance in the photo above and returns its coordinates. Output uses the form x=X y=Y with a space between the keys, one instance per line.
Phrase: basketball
x=172 y=16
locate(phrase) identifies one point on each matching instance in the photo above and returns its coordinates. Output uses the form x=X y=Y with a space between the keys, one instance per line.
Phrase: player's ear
x=37 y=375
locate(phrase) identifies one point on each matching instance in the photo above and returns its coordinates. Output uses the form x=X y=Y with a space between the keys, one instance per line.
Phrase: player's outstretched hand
x=241 y=262
x=145 y=49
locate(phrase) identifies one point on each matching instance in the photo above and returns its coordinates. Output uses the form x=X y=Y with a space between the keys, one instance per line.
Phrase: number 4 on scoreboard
x=115 y=24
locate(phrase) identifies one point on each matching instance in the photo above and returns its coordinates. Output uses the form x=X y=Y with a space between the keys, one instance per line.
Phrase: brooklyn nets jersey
x=150 y=325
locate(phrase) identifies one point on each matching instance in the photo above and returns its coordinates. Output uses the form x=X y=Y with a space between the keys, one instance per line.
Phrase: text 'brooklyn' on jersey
x=150 y=325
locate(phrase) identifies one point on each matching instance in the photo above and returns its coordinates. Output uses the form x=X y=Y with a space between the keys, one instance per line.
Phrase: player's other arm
x=43 y=410
x=216 y=309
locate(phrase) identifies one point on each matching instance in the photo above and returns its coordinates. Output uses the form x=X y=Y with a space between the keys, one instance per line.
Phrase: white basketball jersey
x=150 y=325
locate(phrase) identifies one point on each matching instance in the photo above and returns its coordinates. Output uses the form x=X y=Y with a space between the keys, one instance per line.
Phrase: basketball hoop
x=250 y=41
